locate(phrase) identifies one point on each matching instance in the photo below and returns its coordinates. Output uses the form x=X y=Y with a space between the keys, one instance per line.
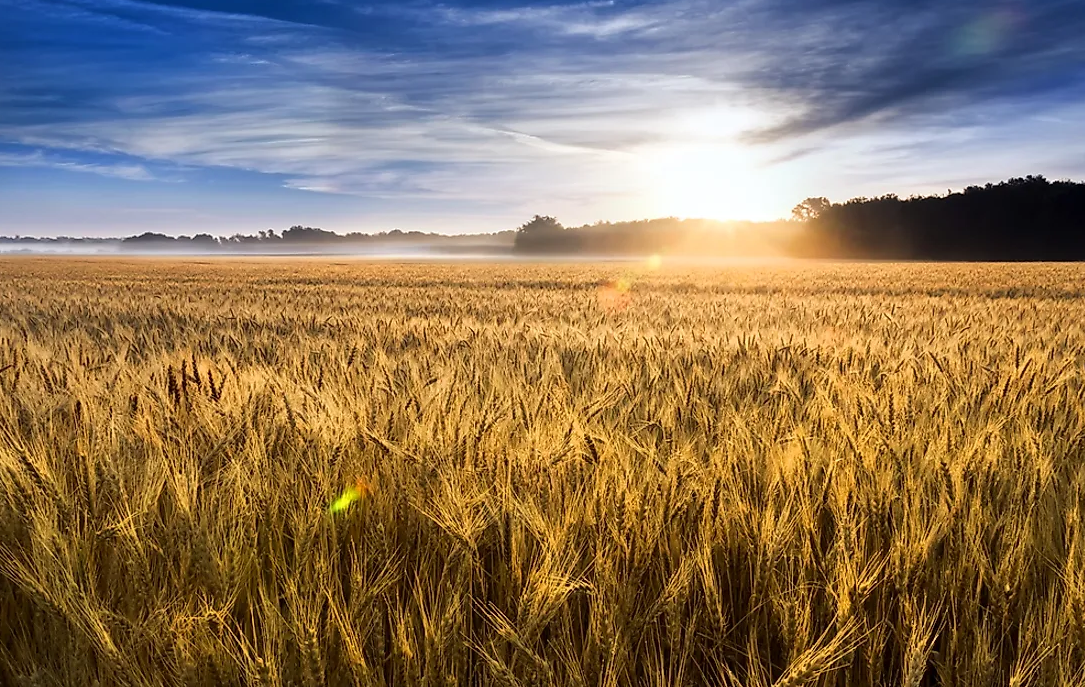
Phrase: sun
x=699 y=181
x=711 y=180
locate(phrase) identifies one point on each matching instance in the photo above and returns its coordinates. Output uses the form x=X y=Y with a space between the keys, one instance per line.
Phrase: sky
x=464 y=116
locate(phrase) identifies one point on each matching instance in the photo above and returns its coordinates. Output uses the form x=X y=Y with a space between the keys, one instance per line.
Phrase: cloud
x=839 y=63
x=499 y=102
x=599 y=20
x=333 y=119
x=131 y=172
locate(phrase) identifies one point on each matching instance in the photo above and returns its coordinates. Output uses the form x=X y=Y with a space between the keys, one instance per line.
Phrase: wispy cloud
x=840 y=63
x=517 y=103
x=131 y=172
x=601 y=20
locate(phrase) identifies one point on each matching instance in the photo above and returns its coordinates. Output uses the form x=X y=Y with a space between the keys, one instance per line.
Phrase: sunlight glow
x=705 y=181
x=702 y=168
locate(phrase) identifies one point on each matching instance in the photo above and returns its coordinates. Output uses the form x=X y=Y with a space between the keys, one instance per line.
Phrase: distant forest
x=669 y=235
x=1027 y=218
x=292 y=241
x=310 y=239
x=1020 y=219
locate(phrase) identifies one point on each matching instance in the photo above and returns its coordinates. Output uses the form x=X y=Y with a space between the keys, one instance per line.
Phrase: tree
x=539 y=225
x=811 y=208
x=300 y=234
x=542 y=234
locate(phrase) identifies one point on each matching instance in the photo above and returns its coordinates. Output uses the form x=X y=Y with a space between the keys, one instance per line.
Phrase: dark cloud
x=836 y=62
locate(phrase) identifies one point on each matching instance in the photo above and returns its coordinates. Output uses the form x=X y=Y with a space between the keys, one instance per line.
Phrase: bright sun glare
x=700 y=172
x=689 y=181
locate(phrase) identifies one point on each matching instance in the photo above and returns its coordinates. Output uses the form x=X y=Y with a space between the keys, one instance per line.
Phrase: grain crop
x=740 y=474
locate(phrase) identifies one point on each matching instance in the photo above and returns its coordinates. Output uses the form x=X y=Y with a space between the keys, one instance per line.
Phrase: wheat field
x=791 y=474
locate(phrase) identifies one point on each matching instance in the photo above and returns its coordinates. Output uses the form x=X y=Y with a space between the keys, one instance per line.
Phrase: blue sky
x=122 y=116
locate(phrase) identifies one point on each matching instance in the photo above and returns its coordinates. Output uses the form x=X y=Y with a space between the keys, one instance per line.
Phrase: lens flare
x=616 y=294
x=986 y=34
x=357 y=491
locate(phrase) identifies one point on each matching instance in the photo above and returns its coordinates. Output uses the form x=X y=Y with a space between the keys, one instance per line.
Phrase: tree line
x=296 y=239
x=312 y=237
x=544 y=234
x=1027 y=218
